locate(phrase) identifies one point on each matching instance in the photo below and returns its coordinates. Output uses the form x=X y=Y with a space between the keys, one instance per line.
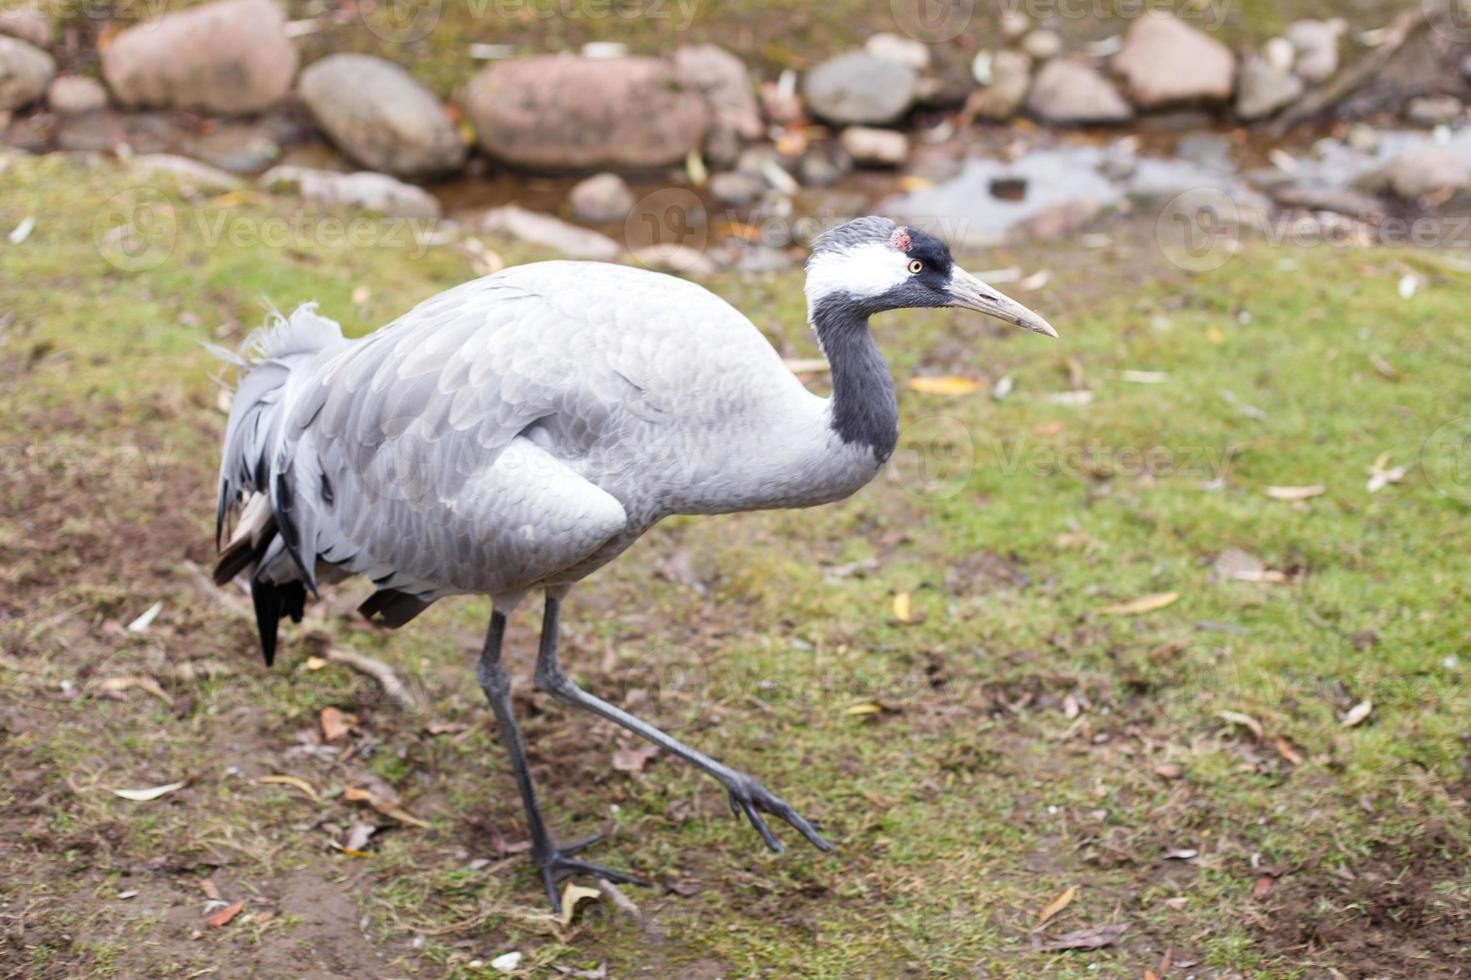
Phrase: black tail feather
x=271 y=603
x=391 y=608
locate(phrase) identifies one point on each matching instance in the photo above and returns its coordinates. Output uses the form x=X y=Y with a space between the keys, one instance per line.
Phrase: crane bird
x=519 y=431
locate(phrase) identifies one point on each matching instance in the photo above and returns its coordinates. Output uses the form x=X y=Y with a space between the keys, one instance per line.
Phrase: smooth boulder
x=377 y=114
x=563 y=112
x=231 y=57
x=1265 y=88
x=1166 y=62
x=1067 y=93
x=859 y=88
x=25 y=71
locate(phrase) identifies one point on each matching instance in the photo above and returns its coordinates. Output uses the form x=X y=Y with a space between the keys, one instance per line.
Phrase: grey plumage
x=519 y=431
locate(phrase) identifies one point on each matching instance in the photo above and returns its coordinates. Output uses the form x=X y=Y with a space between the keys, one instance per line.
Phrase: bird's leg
x=746 y=794
x=552 y=861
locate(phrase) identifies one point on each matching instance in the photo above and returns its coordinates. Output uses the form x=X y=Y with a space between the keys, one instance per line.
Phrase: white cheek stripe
x=865 y=270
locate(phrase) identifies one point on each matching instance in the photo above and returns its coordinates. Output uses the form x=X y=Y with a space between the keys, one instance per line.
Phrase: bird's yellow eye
x=915 y=267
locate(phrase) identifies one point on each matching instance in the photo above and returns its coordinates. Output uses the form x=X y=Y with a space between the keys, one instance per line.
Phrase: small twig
x=380 y=672
x=615 y=897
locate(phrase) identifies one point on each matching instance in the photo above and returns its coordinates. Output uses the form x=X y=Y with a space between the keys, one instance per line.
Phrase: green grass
x=960 y=808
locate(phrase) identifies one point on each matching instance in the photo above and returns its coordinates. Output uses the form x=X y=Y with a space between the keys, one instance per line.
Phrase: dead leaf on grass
x=1296 y=493
x=1358 y=713
x=116 y=685
x=1095 y=937
x=866 y=708
x=150 y=793
x=633 y=758
x=902 y=607
x=1381 y=474
x=1141 y=605
x=1059 y=902
x=571 y=895
x=223 y=916
x=336 y=723
x=358 y=836
x=297 y=782
x=1286 y=751
x=389 y=808
x=1244 y=720
x=947 y=384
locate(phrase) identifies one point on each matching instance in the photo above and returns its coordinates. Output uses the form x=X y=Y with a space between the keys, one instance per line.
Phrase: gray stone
x=820 y=169
x=563 y=112
x=25 y=71
x=239 y=146
x=602 y=199
x=1265 y=88
x=73 y=94
x=1010 y=74
x=366 y=190
x=1362 y=137
x=1014 y=24
x=669 y=257
x=28 y=24
x=379 y=116
x=875 y=147
x=1166 y=62
x=858 y=88
x=737 y=188
x=231 y=57
x=1316 y=44
x=1432 y=110
x=946 y=82
x=722 y=79
x=1066 y=92
x=549 y=232
x=1425 y=169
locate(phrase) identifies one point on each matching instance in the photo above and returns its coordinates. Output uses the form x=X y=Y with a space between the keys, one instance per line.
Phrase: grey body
x=512 y=433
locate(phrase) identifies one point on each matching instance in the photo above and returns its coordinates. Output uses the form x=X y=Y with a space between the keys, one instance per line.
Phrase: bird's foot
x=750 y=797
x=558 y=863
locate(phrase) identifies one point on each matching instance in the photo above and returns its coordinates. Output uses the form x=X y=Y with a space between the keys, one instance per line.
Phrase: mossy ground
x=1012 y=741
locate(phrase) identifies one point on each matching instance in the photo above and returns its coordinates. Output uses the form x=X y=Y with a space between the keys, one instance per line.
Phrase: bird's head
x=872 y=264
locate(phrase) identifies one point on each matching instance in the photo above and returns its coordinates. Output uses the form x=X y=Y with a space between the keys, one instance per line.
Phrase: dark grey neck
x=865 y=408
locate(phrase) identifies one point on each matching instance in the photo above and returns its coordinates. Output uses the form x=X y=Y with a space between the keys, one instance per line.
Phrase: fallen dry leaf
x=212 y=893
x=1244 y=720
x=1358 y=713
x=388 y=808
x=1286 y=751
x=115 y=685
x=1141 y=605
x=571 y=895
x=944 y=384
x=358 y=836
x=224 y=915
x=1061 y=901
x=307 y=788
x=902 y=607
x=1261 y=886
x=1381 y=474
x=1296 y=493
x=336 y=723
x=633 y=758
x=148 y=794
x=867 y=708
x=1093 y=938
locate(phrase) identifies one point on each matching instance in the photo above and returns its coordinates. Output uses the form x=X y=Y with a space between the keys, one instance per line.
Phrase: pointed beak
x=969 y=293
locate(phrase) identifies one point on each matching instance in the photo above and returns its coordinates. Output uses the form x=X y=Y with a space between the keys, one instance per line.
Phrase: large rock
x=1166 y=62
x=1009 y=74
x=1425 y=169
x=229 y=57
x=1066 y=92
x=550 y=232
x=28 y=24
x=859 y=88
x=567 y=113
x=722 y=79
x=1265 y=88
x=379 y=116
x=25 y=71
